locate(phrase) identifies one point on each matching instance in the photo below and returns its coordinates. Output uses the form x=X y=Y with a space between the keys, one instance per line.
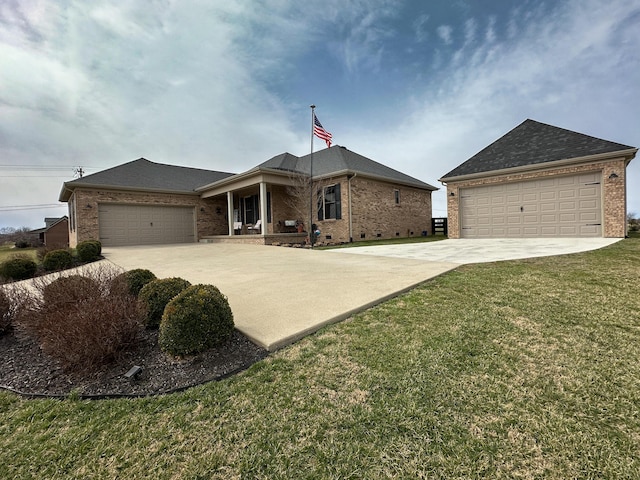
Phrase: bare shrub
x=72 y=289
x=80 y=321
x=5 y=313
x=14 y=300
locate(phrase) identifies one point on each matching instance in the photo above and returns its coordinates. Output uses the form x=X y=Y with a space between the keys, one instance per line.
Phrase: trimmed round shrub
x=5 y=313
x=134 y=280
x=42 y=251
x=89 y=250
x=197 y=319
x=57 y=260
x=156 y=294
x=98 y=245
x=70 y=290
x=18 y=268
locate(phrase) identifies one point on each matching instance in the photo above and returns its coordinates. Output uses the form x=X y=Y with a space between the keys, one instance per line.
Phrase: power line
x=54 y=167
x=31 y=171
x=35 y=176
x=15 y=208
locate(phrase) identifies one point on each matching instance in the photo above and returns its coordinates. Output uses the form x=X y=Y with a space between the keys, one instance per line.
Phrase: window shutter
x=338 y=202
x=268 y=207
x=320 y=205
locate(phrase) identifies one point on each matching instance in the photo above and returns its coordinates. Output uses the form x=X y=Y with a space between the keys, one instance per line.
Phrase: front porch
x=278 y=239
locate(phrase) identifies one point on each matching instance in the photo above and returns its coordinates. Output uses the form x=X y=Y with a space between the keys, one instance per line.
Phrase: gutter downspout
x=350 y=212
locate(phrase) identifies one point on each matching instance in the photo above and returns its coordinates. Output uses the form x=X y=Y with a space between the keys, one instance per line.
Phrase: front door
x=251 y=211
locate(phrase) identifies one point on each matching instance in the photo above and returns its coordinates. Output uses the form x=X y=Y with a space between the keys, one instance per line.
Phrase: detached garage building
x=540 y=181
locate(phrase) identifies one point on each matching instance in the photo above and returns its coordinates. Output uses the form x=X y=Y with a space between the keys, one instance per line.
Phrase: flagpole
x=310 y=227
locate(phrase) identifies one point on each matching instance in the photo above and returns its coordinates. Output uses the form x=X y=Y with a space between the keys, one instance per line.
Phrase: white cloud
x=578 y=70
x=444 y=32
x=419 y=26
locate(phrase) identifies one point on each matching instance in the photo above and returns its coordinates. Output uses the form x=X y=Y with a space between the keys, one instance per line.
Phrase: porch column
x=230 y=218
x=263 y=208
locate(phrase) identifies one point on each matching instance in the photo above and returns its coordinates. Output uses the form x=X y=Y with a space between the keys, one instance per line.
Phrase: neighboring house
x=540 y=181
x=55 y=233
x=143 y=202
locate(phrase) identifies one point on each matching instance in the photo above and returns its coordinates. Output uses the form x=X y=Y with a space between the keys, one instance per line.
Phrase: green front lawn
x=520 y=369
x=8 y=250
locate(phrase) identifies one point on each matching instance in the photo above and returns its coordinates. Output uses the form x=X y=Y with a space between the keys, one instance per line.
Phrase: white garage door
x=551 y=207
x=145 y=224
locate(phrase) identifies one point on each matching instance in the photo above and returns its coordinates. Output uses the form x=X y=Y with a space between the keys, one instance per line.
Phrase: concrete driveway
x=464 y=251
x=278 y=295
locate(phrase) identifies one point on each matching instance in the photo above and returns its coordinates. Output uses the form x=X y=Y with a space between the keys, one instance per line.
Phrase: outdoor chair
x=255 y=228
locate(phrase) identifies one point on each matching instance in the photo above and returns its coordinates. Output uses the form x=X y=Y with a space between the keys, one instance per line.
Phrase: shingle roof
x=142 y=174
x=339 y=159
x=532 y=143
x=49 y=222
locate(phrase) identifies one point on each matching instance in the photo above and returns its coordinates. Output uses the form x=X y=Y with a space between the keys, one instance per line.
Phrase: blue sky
x=417 y=85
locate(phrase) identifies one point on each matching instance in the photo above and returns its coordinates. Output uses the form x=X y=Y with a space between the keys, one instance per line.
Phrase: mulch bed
x=28 y=371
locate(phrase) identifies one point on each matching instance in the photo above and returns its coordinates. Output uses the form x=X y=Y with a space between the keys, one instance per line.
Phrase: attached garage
x=145 y=224
x=566 y=206
x=143 y=203
x=540 y=181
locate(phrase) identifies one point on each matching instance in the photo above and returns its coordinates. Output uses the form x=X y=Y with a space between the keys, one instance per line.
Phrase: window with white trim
x=329 y=203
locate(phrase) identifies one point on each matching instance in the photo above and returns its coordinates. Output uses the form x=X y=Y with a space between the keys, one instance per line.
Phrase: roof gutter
x=421 y=185
x=244 y=175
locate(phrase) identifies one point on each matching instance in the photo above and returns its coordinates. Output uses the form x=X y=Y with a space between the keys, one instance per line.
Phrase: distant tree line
x=633 y=223
x=20 y=237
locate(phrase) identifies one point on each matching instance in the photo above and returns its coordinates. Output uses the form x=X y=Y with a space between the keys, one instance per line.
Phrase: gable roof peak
x=532 y=143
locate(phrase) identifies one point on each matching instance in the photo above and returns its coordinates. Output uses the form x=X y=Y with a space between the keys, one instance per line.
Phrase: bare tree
x=302 y=197
x=19 y=236
x=298 y=197
x=633 y=223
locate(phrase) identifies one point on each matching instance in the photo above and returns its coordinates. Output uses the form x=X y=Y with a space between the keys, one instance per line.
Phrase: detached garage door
x=145 y=224
x=551 y=207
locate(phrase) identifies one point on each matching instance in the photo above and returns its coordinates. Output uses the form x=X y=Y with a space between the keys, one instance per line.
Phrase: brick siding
x=58 y=235
x=375 y=213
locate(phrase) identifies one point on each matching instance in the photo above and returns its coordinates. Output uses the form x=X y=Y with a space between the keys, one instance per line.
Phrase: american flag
x=320 y=132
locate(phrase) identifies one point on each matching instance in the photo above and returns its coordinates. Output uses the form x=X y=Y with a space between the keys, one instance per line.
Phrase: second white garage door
x=145 y=224
x=550 y=207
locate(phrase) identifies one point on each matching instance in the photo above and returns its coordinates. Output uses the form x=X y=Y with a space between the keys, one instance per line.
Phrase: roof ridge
x=534 y=143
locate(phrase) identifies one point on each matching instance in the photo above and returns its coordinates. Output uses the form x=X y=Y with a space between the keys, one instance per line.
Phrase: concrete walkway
x=278 y=295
